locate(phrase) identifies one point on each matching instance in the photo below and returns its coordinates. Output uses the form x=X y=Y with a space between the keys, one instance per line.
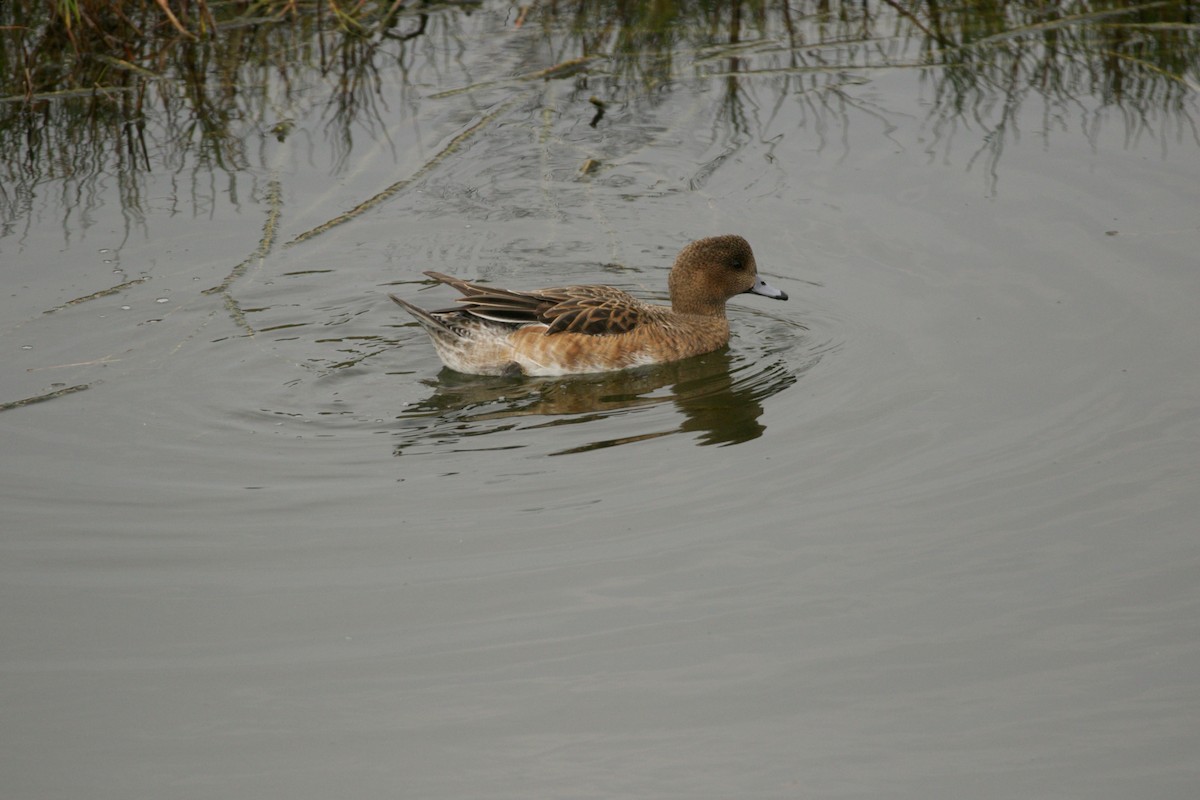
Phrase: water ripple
x=718 y=397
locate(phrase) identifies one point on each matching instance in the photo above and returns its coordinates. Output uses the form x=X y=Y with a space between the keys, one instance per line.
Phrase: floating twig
x=270 y=227
x=92 y=363
x=400 y=185
x=120 y=287
x=41 y=398
x=63 y=93
x=122 y=64
x=563 y=69
x=1063 y=22
x=275 y=203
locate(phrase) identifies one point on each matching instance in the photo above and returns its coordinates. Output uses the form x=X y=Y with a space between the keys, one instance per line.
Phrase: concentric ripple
x=718 y=397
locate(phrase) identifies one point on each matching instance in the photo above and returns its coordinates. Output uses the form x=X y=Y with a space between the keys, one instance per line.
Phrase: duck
x=588 y=329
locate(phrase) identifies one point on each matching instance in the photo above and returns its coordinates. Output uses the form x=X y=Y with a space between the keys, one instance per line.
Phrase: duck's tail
x=427 y=320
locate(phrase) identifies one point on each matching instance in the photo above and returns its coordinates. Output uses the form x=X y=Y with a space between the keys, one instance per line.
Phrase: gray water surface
x=929 y=529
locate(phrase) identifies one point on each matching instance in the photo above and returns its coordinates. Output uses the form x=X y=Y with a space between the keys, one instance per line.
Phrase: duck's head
x=710 y=271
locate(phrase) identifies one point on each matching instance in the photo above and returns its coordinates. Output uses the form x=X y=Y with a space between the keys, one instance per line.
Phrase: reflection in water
x=86 y=93
x=981 y=60
x=718 y=399
x=123 y=92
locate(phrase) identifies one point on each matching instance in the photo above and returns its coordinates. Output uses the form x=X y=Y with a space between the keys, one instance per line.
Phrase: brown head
x=710 y=271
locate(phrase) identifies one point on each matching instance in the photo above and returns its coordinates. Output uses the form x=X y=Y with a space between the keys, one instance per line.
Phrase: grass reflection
x=91 y=88
x=99 y=87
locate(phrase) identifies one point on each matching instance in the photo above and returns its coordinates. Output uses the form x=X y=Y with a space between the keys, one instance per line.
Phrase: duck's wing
x=593 y=310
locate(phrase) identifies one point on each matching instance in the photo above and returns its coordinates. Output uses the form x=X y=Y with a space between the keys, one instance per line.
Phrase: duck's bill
x=766 y=290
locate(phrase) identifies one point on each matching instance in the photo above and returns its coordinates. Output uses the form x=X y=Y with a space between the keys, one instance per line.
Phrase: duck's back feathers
x=593 y=310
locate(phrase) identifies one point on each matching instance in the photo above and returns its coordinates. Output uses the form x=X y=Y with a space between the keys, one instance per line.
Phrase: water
x=927 y=529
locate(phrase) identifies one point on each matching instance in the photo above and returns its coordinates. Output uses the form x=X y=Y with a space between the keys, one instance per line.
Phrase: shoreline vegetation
x=119 y=86
x=52 y=48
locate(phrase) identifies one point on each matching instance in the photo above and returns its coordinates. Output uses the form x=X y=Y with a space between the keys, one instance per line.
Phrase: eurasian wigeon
x=577 y=329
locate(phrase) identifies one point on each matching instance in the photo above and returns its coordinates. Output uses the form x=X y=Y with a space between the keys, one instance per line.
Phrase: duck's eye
x=736 y=265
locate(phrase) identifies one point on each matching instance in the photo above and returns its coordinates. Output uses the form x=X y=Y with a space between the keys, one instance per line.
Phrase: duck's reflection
x=719 y=399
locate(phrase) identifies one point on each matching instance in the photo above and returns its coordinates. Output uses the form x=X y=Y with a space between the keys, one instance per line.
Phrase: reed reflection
x=91 y=88
x=94 y=88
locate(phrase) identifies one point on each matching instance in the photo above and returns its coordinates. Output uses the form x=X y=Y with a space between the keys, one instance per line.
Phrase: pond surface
x=929 y=529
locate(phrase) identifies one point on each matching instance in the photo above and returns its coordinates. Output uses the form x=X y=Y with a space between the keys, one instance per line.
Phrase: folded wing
x=593 y=310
